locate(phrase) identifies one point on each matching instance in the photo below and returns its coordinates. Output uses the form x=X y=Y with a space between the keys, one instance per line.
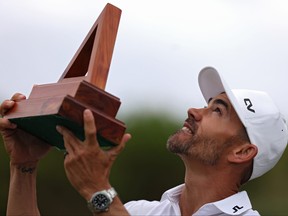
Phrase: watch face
x=101 y=202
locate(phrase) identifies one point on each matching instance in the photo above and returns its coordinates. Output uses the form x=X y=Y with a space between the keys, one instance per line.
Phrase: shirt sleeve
x=140 y=207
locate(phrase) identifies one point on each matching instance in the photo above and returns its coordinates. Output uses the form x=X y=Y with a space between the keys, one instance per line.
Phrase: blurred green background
x=144 y=170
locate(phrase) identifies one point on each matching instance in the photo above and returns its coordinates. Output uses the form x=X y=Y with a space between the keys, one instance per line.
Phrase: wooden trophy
x=81 y=86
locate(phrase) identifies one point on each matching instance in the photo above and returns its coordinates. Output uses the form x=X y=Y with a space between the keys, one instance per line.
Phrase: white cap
x=265 y=125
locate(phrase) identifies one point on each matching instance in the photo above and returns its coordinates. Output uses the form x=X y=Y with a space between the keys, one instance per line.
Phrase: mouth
x=189 y=127
x=186 y=130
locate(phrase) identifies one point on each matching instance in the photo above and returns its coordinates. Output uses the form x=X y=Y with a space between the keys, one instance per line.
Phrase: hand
x=87 y=166
x=22 y=147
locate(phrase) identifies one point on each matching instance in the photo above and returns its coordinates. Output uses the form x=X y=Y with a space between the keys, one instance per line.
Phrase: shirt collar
x=232 y=205
x=173 y=194
x=235 y=204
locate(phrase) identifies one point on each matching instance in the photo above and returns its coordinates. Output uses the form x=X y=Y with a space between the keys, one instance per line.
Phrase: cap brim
x=212 y=84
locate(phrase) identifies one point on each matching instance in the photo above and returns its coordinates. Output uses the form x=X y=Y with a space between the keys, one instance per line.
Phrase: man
x=239 y=136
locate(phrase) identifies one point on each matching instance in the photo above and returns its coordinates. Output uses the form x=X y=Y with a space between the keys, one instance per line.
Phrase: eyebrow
x=219 y=101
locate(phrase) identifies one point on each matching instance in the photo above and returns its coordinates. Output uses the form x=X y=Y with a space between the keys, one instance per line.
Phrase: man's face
x=207 y=132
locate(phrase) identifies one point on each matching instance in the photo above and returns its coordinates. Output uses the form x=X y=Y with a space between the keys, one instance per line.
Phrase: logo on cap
x=249 y=105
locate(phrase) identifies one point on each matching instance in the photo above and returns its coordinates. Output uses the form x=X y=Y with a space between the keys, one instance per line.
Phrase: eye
x=218 y=110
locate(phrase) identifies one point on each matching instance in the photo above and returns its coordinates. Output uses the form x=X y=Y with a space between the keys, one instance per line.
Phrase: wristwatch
x=100 y=201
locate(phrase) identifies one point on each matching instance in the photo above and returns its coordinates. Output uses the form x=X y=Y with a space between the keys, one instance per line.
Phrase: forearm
x=22 y=199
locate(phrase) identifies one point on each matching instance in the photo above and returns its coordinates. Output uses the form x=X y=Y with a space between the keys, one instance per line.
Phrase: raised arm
x=88 y=167
x=24 y=151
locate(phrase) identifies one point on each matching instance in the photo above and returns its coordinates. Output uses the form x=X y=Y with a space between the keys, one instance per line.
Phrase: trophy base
x=39 y=117
x=47 y=131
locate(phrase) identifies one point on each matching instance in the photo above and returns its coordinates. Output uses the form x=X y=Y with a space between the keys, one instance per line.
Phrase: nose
x=194 y=113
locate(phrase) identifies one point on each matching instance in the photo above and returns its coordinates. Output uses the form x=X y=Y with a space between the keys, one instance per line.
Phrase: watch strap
x=112 y=192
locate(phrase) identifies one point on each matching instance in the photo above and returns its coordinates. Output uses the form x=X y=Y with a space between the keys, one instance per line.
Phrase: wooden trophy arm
x=92 y=60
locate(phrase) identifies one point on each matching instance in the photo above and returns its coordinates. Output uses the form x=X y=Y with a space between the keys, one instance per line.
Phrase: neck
x=205 y=184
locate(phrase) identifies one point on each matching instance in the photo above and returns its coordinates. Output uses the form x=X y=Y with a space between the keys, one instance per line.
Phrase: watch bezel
x=95 y=206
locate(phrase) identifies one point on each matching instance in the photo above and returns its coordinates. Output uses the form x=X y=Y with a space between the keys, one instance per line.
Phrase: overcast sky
x=160 y=48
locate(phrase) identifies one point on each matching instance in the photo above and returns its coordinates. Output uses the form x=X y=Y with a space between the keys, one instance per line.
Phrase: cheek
x=211 y=127
x=216 y=130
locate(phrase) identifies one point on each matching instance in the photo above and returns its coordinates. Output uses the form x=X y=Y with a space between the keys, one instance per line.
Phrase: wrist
x=24 y=168
x=88 y=190
x=22 y=190
x=100 y=201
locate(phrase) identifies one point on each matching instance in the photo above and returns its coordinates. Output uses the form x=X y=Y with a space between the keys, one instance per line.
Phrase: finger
x=5 y=106
x=65 y=154
x=18 y=97
x=126 y=138
x=89 y=128
x=6 y=124
x=70 y=141
x=8 y=104
x=117 y=149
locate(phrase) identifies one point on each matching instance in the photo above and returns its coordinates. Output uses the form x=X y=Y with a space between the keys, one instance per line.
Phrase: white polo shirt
x=237 y=204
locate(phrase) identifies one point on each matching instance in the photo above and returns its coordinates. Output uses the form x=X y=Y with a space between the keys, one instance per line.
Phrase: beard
x=203 y=149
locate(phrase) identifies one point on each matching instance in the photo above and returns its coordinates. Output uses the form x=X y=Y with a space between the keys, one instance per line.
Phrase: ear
x=242 y=153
